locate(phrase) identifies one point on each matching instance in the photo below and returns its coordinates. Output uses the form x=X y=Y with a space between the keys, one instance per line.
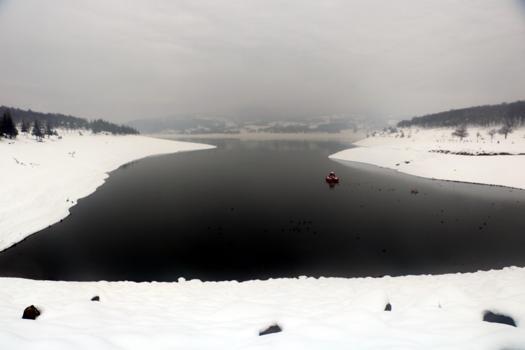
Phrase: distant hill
x=183 y=124
x=58 y=120
x=208 y=125
x=512 y=114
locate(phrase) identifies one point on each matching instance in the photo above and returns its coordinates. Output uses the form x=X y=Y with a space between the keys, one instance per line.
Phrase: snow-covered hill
x=435 y=153
x=42 y=180
x=427 y=312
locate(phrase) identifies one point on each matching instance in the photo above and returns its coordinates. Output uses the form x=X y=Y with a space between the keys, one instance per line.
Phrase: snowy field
x=428 y=312
x=432 y=153
x=42 y=180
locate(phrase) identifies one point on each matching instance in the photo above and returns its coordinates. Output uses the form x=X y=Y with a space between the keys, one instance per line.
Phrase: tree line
x=25 y=120
x=510 y=115
x=461 y=132
x=8 y=128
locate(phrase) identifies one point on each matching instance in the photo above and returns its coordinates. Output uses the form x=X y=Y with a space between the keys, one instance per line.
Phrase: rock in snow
x=30 y=313
x=489 y=316
x=275 y=328
x=388 y=307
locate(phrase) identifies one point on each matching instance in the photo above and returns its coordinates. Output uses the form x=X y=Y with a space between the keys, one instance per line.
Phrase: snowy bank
x=42 y=180
x=428 y=312
x=435 y=153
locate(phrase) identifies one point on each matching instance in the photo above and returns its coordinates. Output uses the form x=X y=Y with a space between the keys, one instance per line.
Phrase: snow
x=411 y=155
x=42 y=180
x=428 y=312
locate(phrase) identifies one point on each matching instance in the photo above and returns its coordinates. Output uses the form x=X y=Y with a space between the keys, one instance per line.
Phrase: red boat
x=332 y=179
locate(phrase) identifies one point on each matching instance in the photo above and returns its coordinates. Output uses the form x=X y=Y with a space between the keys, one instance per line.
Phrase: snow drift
x=428 y=312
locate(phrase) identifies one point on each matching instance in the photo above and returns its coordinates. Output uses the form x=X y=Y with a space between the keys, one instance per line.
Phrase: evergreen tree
x=25 y=126
x=37 y=130
x=511 y=114
x=7 y=126
x=49 y=129
x=62 y=121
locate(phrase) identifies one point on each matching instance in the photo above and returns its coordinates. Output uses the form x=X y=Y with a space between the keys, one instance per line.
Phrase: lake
x=261 y=209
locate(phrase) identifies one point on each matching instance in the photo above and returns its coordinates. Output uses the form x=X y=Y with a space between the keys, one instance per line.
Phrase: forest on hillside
x=57 y=120
x=509 y=114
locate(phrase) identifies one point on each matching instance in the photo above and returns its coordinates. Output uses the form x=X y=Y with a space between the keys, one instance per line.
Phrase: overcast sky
x=129 y=59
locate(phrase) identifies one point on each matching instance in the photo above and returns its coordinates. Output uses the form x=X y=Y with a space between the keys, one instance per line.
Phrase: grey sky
x=128 y=59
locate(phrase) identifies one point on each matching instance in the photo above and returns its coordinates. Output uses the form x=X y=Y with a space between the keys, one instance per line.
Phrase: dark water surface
x=259 y=209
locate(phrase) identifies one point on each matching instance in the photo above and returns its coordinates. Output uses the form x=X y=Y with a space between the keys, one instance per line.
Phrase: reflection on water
x=259 y=209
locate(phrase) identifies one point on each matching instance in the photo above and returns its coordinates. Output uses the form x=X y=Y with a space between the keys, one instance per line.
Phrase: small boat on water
x=332 y=178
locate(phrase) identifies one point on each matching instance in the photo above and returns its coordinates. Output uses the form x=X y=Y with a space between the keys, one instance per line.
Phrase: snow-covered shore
x=433 y=153
x=428 y=312
x=42 y=180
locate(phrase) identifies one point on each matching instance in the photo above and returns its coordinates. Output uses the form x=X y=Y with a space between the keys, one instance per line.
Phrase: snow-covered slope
x=419 y=152
x=42 y=180
x=428 y=312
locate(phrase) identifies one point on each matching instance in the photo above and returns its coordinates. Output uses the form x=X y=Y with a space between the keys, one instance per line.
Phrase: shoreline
x=45 y=179
x=370 y=165
x=433 y=154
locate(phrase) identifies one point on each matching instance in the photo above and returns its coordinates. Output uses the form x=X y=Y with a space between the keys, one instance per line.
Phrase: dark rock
x=489 y=316
x=270 y=330
x=95 y=298
x=31 y=313
x=388 y=307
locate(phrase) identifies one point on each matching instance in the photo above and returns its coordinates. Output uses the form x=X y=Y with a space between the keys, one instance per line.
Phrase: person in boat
x=332 y=177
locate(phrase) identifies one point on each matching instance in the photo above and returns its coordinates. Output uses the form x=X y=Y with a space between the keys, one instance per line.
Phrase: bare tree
x=505 y=130
x=460 y=132
x=492 y=132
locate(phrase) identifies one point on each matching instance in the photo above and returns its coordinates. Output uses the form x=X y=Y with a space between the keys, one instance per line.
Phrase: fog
x=128 y=59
